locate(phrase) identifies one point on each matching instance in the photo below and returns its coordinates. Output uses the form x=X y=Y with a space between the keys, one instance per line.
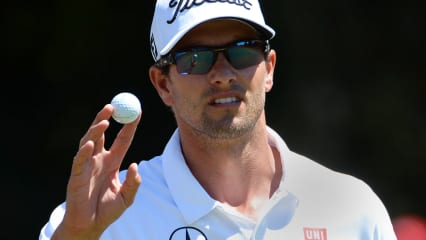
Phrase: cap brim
x=266 y=32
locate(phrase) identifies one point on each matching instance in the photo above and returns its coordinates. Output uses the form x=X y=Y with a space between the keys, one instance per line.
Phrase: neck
x=242 y=173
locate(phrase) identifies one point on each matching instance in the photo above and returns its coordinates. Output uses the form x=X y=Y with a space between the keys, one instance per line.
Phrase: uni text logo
x=315 y=233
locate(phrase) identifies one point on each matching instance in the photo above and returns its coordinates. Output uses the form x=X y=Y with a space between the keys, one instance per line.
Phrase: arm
x=95 y=197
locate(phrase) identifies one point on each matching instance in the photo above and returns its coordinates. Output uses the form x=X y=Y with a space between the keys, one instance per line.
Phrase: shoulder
x=336 y=195
x=313 y=182
x=308 y=177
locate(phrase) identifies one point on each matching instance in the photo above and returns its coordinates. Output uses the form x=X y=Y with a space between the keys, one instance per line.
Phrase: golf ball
x=126 y=107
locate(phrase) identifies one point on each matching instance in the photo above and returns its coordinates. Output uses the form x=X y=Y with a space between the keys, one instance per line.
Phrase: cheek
x=181 y=97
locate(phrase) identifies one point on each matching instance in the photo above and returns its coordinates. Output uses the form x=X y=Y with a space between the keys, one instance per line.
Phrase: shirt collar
x=190 y=197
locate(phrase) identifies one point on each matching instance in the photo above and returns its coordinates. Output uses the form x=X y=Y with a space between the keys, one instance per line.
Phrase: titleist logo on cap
x=174 y=18
x=182 y=5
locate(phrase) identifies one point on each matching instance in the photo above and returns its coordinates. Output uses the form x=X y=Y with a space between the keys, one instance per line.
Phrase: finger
x=80 y=159
x=124 y=138
x=100 y=141
x=131 y=184
x=96 y=135
x=98 y=126
x=104 y=113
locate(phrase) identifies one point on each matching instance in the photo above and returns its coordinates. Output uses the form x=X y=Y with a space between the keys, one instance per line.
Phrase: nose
x=222 y=73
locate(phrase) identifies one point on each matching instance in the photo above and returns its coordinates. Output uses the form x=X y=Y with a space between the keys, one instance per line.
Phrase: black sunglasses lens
x=243 y=57
x=199 y=61
x=194 y=62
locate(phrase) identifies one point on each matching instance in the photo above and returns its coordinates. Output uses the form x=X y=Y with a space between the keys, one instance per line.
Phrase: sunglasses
x=199 y=60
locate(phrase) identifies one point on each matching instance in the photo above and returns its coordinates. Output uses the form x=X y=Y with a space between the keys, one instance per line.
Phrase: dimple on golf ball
x=126 y=107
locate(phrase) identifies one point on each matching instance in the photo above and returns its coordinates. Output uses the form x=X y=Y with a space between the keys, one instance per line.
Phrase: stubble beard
x=231 y=126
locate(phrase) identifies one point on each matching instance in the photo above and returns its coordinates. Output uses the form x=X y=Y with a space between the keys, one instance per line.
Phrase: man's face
x=224 y=102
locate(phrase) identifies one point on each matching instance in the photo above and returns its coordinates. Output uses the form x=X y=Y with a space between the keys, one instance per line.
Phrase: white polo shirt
x=311 y=203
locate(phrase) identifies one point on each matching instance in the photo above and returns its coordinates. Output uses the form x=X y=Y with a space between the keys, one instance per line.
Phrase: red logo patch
x=315 y=233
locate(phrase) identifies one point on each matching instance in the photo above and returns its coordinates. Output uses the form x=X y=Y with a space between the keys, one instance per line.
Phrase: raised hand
x=95 y=196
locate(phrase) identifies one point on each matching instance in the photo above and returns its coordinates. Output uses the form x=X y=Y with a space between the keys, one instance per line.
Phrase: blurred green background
x=349 y=92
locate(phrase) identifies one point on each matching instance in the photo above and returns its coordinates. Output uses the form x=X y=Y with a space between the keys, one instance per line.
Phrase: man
x=224 y=174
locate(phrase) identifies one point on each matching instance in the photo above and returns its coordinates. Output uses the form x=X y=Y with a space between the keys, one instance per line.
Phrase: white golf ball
x=126 y=107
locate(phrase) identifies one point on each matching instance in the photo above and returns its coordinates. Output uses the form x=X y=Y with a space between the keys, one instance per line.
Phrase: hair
x=165 y=69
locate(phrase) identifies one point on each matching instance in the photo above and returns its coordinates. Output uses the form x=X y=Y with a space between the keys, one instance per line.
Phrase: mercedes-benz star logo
x=187 y=233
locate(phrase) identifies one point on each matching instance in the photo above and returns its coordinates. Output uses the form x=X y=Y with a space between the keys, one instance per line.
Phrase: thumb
x=131 y=184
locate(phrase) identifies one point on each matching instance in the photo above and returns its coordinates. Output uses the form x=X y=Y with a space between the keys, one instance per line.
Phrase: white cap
x=174 y=18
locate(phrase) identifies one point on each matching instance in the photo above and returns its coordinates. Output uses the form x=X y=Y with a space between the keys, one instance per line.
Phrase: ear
x=161 y=83
x=270 y=67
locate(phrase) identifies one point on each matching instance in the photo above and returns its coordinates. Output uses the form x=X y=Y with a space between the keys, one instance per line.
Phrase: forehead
x=217 y=33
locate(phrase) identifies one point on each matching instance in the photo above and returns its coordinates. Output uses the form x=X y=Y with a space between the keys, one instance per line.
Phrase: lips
x=226 y=100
